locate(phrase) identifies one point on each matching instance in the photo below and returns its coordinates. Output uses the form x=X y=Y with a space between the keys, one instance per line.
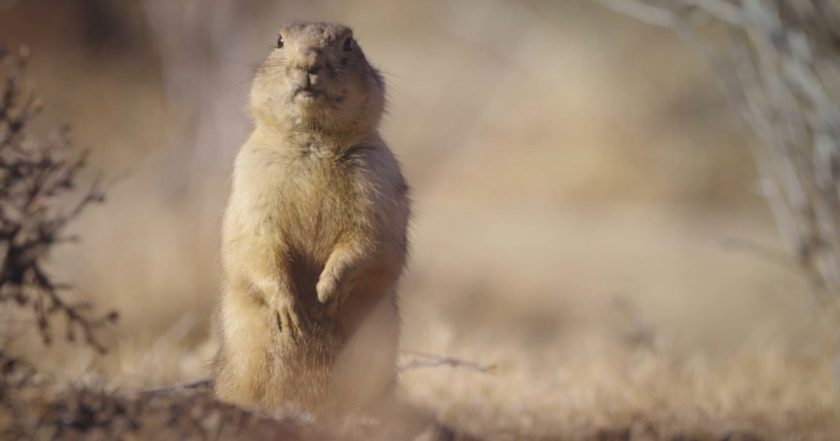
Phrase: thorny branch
x=34 y=177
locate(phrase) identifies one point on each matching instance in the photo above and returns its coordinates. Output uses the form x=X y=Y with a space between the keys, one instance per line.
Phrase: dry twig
x=423 y=360
x=34 y=177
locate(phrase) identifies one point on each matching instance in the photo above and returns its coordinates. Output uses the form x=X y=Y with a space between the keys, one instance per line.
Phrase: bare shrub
x=35 y=177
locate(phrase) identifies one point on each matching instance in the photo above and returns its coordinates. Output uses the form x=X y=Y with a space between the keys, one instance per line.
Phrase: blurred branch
x=765 y=252
x=779 y=63
x=422 y=360
x=204 y=384
x=640 y=10
x=34 y=176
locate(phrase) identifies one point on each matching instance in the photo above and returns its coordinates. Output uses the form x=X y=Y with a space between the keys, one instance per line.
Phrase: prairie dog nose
x=310 y=60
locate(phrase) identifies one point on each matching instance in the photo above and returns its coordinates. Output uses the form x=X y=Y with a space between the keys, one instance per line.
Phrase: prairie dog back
x=314 y=233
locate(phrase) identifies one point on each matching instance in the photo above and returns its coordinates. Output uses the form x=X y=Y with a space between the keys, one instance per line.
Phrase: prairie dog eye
x=349 y=44
x=279 y=41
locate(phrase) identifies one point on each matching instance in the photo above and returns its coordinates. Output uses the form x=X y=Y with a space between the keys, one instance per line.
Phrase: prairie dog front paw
x=330 y=292
x=290 y=319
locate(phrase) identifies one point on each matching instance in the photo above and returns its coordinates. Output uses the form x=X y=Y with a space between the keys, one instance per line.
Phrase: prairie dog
x=314 y=233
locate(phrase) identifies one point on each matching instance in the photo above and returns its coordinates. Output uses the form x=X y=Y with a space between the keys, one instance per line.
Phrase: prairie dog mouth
x=308 y=93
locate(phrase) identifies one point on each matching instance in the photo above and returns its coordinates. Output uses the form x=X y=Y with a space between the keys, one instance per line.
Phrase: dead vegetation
x=36 y=176
x=34 y=408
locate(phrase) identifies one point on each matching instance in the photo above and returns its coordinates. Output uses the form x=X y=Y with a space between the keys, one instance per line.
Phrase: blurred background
x=587 y=221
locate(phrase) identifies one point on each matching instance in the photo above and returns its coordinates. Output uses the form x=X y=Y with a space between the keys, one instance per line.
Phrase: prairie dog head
x=317 y=79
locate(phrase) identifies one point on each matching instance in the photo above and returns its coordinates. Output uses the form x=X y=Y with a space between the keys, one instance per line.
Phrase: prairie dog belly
x=306 y=208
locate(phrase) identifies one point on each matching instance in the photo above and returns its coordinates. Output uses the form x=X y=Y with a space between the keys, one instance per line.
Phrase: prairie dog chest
x=310 y=198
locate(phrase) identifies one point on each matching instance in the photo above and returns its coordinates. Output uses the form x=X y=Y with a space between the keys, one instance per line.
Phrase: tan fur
x=314 y=235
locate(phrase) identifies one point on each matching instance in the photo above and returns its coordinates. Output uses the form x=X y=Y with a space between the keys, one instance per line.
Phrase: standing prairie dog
x=314 y=235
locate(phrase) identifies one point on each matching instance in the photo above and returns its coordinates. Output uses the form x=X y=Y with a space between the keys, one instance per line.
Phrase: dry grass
x=578 y=178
